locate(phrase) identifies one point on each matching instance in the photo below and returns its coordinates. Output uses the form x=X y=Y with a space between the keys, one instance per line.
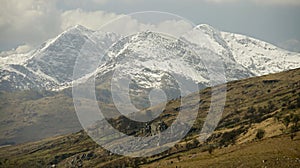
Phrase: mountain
x=259 y=57
x=149 y=59
x=50 y=66
x=259 y=128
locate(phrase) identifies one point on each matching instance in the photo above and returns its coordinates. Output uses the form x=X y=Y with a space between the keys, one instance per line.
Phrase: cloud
x=259 y=2
x=31 y=22
x=101 y=2
x=221 y=1
x=19 y=50
x=174 y=27
x=27 y=21
x=277 y=2
x=91 y=20
x=148 y=21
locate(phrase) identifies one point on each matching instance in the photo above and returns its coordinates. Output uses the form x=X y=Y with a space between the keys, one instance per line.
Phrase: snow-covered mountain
x=51 y=65
x=149 y=58
x=259 y=57
x=152 y=60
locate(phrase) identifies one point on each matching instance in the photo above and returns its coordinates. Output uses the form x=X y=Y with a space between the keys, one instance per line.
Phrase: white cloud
x=91 y=20
x=259 y=2
x=101 y=2
x=23 y=48
x=31 y=22
x=277 y=2
x=27 y=21
x=221 y=1
x=124 y=25
x=175 y=27
x=19 y=50
x=127 y=25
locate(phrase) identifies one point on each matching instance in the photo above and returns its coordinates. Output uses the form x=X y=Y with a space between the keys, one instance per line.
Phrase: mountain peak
x=80 y=27
x=54 y=60
x=76 y=29
x=205 y=27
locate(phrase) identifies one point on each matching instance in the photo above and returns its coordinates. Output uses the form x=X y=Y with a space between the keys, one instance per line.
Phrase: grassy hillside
x=259 y=127
x=33 y=115
x=278 y=151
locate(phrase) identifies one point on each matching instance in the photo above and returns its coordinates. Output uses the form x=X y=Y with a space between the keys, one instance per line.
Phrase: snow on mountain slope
x=149 y=57
x=259 y=57
x=150 y=60
x=51 y=65
x=57 y=57
x=158 y=52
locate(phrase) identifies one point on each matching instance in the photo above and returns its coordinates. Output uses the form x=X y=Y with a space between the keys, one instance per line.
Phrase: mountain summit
x=50 y=66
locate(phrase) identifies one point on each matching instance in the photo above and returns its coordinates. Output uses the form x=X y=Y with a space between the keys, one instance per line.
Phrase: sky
x=26 y=24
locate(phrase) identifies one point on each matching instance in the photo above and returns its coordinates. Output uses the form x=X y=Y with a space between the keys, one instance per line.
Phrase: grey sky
x=271 y=22
x=31 y=22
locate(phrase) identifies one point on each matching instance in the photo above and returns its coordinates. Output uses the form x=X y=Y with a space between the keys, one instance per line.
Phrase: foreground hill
x=278 y=151
x=259 y=127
